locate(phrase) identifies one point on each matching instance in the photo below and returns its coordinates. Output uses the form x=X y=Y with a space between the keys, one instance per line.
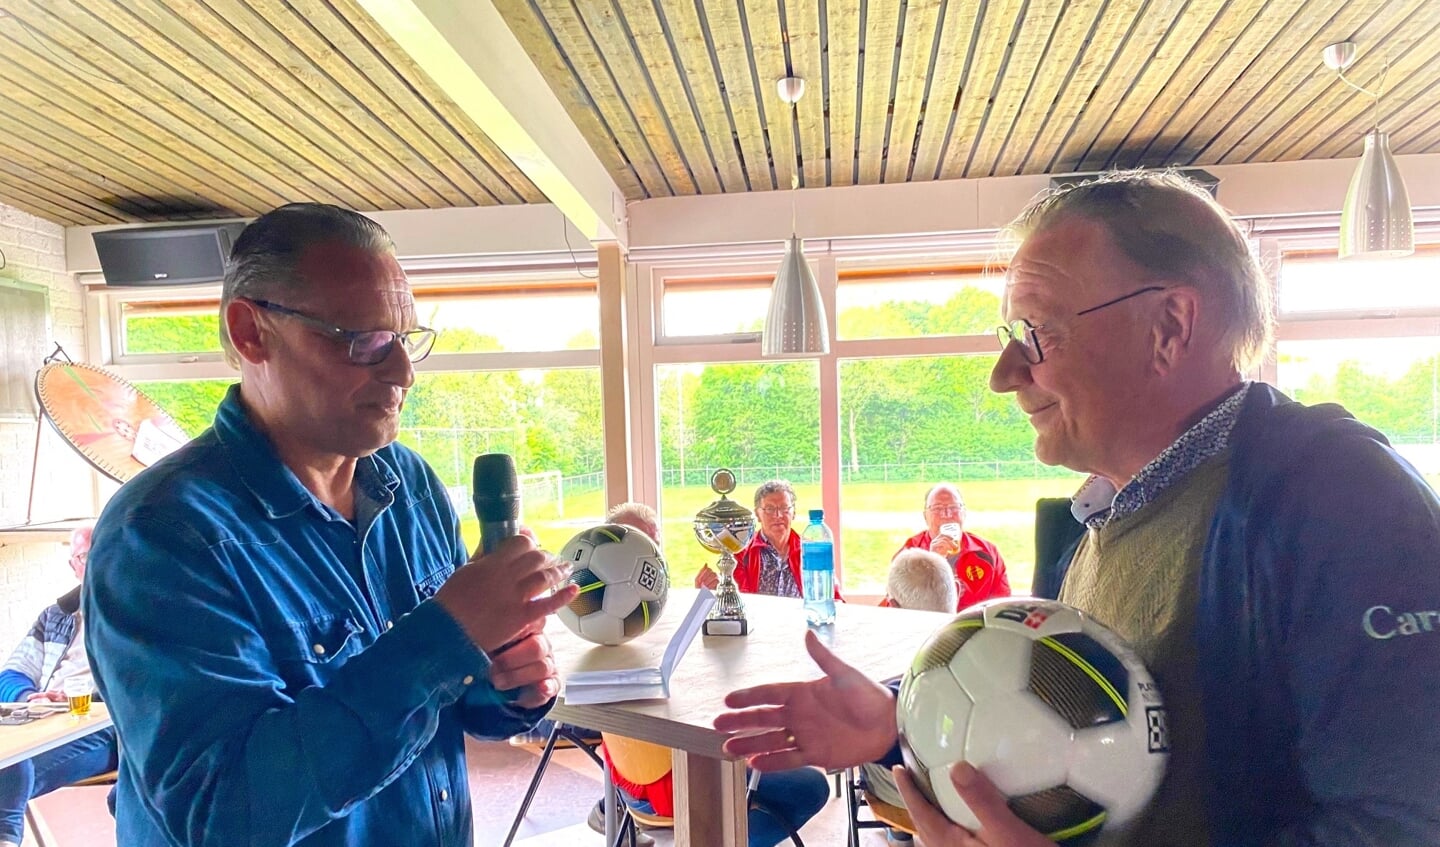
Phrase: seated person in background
x=976 y=562
x=637 y=516
x=52 y=652
x=920 y=580
x=795 y=794
x=770 y=564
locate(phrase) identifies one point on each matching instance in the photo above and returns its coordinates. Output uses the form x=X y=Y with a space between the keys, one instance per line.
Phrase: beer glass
x=79 y=691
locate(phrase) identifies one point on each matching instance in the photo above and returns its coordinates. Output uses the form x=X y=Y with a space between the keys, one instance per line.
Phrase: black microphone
x=497 y=499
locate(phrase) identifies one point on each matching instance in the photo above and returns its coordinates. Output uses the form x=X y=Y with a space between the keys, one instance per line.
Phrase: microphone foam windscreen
x=496 y=490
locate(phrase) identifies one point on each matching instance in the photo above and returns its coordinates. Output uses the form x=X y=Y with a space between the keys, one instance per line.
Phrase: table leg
x=710 y=802
x=612 y=812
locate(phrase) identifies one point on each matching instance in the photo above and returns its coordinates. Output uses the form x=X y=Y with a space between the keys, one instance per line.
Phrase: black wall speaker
x=166 y=255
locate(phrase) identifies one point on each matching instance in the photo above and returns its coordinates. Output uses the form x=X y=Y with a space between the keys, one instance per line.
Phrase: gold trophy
x=725 y=527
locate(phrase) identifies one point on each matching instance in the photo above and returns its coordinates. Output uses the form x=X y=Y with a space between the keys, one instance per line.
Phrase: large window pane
x=550 y=421
x=912 y=303
x=191 y=402
x=521 y=319
x=172 y=326
x=692 y=307
x=1392 y=384
x=908 y=424
x=760 y=420
x=1327 y=284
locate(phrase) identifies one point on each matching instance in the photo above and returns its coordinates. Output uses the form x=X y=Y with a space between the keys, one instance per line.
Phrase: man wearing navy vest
x=1274 y=564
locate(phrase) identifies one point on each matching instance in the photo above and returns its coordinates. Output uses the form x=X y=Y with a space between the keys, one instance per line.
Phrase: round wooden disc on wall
x=105 y=419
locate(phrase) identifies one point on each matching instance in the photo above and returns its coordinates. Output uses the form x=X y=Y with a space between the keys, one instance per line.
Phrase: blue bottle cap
x=817 y=515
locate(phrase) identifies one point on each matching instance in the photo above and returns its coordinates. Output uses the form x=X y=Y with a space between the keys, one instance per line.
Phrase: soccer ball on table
x=623 y=584
x=1051 y=706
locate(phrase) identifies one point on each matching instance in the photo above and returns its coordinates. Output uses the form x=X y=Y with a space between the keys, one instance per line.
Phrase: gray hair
x=943 y=486
x=771 y=487
x=634 y=514
x=920 y=579
x=265 y=260
x=1171 y=227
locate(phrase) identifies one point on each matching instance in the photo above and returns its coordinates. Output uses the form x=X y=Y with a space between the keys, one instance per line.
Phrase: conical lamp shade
x=795 y=325
x=1376 y=220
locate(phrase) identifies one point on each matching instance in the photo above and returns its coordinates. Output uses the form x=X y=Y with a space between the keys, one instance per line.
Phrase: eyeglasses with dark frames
x=364 y=346
x=1023 y=333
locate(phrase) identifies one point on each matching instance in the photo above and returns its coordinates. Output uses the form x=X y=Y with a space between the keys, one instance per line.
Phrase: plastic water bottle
x=817 y=570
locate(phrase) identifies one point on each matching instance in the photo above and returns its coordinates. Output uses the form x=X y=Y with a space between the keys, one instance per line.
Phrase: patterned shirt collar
x=1097 y=502
x=775 y=576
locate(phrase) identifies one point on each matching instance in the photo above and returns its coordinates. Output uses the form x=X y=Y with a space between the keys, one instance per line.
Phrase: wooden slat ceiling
x=678 y=96
x=172 y=109
x=140 y=110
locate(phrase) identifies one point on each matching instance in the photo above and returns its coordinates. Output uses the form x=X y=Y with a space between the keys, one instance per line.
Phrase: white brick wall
x=33 y=574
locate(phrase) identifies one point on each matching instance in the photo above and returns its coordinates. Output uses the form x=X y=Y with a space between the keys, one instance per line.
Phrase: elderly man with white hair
x=1273 y=563
x=51 y=654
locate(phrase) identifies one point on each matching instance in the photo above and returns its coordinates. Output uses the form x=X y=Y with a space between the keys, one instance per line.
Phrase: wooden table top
x=18 y=743
x=879 y=641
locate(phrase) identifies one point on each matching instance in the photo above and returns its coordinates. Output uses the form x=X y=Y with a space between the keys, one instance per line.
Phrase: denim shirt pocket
x=318 y=642
x=426 y=586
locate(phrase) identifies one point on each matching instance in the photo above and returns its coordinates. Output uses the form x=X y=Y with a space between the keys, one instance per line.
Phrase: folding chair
x=882 y=814
x=558 y=731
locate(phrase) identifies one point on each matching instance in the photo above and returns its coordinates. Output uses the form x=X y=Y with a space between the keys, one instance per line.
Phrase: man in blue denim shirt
x=277 y=614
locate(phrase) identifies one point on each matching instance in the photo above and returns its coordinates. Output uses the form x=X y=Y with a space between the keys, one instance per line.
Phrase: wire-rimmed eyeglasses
x=364 y=346
x=1022 y=332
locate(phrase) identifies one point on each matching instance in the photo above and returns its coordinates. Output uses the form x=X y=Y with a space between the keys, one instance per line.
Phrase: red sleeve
x=919 y=539
x=981 y=572
x=1002 y=575
x=660 y=794
x=747 y=569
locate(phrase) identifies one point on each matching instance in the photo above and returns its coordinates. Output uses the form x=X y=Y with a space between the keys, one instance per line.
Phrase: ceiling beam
x=471 y=54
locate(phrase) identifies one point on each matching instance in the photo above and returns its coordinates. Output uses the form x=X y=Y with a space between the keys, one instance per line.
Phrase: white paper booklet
x=585 y=687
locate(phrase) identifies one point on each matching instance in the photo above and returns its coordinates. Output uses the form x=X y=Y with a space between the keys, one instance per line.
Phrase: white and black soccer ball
x=1053 y=707
x=623 y=584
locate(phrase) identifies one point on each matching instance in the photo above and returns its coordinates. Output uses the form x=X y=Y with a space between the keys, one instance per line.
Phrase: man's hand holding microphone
x=502 y=596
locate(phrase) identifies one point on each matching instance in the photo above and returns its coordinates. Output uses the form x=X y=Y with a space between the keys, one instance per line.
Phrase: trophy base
x=727 y=626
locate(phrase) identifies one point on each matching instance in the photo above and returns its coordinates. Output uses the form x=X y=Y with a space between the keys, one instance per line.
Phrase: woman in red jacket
x=770 y=563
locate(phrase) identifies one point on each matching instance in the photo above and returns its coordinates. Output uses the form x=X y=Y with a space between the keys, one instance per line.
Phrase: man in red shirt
x=979 y=570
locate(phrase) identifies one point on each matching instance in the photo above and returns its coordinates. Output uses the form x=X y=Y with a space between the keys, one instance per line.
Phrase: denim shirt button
x=444 y=795
x=389 y=624
x=319 y=649
x=468 y=680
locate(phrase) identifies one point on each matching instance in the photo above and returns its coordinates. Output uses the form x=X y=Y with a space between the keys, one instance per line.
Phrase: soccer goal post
x=543 y=488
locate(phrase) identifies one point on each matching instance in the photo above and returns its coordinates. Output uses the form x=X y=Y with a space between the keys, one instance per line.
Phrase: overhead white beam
x=471 y=54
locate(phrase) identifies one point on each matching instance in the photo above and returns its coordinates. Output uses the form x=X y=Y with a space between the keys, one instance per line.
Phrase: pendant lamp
x=1376 y=221
x=795 y=323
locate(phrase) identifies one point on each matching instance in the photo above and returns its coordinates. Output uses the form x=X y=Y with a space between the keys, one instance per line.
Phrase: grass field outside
x=878 y=519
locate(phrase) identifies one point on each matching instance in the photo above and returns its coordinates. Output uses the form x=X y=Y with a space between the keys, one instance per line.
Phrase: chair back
x=638 y=761
x=1056 y=533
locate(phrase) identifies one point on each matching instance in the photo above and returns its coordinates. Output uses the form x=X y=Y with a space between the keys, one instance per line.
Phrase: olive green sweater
x=1139 y=575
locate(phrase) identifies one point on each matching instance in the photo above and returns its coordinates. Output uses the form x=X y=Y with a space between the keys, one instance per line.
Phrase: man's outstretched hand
x=839 y=720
